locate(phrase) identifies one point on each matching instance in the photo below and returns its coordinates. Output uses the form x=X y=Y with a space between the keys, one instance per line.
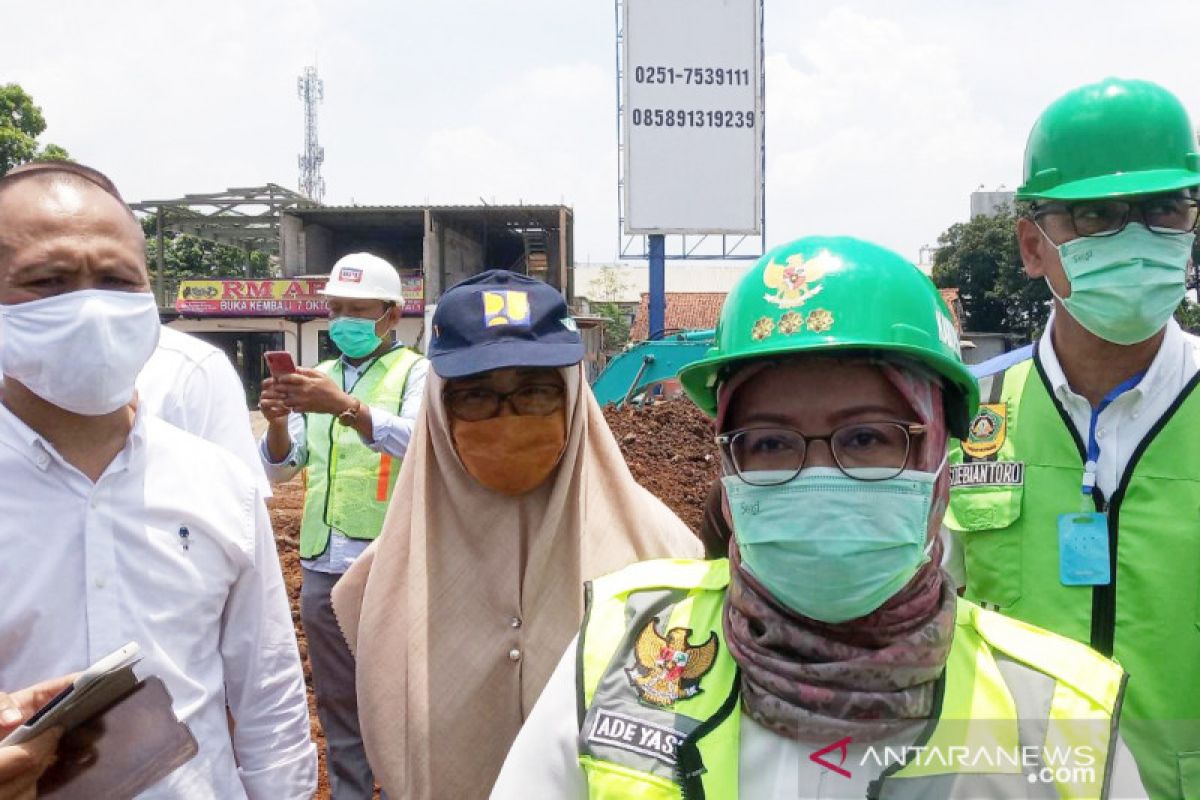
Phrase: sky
x=881 y=117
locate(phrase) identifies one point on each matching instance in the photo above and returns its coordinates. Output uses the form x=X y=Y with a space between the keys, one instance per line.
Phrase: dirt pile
x=668 y=446
x=286 y=508
x=669 y=449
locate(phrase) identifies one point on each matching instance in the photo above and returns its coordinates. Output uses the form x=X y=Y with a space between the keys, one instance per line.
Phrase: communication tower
x=312 y=91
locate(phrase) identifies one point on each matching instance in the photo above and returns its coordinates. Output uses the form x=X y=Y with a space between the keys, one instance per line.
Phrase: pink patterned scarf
x=867 y=678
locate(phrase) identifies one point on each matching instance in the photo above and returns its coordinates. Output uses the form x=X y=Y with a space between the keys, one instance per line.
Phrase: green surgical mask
x=1126 y=286
x=830 y=547
x=355 y=336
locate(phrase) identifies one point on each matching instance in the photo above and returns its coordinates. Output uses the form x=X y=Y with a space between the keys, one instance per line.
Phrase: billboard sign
x=692 y=116
x=295 y=297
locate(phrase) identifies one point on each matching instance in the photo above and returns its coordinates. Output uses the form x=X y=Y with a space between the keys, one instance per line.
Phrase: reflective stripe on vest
x=1008 y=688
x=1148 y=617
x=631 y=749
x=348 y=485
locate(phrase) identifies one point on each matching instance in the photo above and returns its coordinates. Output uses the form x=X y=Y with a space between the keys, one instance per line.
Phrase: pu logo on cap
x=506 y=308
x=351 y=274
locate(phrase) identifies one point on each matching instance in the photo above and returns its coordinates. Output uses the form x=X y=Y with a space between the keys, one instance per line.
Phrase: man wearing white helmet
x=347 y=423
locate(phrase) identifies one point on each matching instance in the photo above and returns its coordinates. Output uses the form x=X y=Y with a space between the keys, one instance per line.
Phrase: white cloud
x=882 y=116
x=542 y=138
x=871 y=120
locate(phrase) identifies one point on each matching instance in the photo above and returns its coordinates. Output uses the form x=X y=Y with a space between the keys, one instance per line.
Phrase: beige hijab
x=460 y=610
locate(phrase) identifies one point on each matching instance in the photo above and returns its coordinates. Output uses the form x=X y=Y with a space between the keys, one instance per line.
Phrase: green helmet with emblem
x=822 y=295
x=1111 y=139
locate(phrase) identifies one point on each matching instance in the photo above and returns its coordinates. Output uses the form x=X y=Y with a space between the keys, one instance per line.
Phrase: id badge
x=1083 y=549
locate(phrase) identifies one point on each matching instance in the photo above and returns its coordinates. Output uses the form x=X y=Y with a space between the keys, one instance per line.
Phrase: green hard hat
x=822 y=295
x=1108 y=139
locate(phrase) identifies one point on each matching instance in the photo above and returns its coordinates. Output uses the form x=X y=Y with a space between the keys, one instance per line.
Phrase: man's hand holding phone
x=22 y=764
x=272 y=401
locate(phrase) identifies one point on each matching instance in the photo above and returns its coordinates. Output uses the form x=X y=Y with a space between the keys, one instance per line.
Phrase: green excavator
x=630 y=374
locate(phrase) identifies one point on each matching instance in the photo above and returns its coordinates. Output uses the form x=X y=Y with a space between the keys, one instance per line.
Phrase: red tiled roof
x=700 y=310
x=687 y=310
x=955 y=304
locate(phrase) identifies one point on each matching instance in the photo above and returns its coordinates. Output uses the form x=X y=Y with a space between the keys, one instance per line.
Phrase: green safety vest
x=347 y=484
x=650 y=732
x=1021 y=467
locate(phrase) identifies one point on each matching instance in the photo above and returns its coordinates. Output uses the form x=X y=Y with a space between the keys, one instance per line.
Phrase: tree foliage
x=606 y=289
x=1188 y=315
x=981 y=259
x=21 y=123
x=186 y=256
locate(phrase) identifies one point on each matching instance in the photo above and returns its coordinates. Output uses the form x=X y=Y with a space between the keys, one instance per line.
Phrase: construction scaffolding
x=247 y=218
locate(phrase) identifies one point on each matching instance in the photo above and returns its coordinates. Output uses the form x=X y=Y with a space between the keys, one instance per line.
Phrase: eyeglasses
x=1161 y=214
x=474 y=405
x=864 y=451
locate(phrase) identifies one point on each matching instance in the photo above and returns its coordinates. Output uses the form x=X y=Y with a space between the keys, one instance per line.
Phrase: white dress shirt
x=1123 y=424
x=392 y=434
x=171 y=548
x=191 y=384
x=544 y=759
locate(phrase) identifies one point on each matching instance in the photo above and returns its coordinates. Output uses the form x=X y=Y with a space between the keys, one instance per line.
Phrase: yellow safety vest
x=1020 y=469
x=659 y=692
x=348 y=485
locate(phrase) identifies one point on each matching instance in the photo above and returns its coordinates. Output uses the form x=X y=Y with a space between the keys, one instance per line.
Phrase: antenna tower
x=312 y=91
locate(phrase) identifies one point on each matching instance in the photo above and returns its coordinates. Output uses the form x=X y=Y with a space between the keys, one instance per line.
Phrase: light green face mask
x=355 y=336
x=1126 y=286
x=830 y=547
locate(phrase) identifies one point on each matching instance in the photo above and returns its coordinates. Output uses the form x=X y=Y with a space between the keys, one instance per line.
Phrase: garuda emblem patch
x=669 y=669
x=797 y=281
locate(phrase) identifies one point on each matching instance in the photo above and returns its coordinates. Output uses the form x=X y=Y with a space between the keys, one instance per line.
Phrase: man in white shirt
x=119 y=527
x=1074 y=497
x=191 y=384
x=348 y=424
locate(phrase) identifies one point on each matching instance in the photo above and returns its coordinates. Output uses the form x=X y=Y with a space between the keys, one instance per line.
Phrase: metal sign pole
x=658 y=285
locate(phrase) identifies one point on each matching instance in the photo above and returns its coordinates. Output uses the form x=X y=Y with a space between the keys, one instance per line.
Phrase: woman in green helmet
x=829 y=656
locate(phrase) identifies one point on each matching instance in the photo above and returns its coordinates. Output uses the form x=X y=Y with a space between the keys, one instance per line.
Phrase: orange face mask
x=511 y=454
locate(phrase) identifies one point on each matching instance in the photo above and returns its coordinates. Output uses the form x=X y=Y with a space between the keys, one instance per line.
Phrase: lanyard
x=1093 y=446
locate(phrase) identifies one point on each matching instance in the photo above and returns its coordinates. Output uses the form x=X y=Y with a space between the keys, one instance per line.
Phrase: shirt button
x=101 y=583
x=514 y=655
x=1100 y=433
x=515 y=622
x=43 y=461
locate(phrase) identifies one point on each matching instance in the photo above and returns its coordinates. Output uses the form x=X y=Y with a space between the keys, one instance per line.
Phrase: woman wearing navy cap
x=513 y=494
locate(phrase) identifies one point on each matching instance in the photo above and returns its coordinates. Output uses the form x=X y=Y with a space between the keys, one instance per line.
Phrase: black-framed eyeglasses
x=474 y=405
x=1171 y=215
x=864 y=451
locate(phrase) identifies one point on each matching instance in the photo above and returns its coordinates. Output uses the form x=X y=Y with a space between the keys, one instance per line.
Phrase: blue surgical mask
x=830 y=547
x=1126 y=286
x=355 y=336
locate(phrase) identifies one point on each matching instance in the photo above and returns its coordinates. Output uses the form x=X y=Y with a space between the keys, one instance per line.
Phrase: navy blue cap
x=500 y=319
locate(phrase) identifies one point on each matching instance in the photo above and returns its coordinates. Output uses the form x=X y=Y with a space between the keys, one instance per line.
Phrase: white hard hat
x=362 y=275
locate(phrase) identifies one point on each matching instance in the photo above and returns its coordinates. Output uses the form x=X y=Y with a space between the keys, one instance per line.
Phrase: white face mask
x=81 y=351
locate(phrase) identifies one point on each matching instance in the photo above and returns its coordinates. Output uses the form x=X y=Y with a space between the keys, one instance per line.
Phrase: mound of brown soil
x=669 y=449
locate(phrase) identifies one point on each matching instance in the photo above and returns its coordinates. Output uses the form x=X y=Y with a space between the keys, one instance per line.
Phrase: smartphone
x=279 y=362
x=96 y=688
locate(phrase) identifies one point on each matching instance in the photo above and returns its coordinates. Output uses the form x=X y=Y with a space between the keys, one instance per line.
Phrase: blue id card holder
x=1083 y=549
